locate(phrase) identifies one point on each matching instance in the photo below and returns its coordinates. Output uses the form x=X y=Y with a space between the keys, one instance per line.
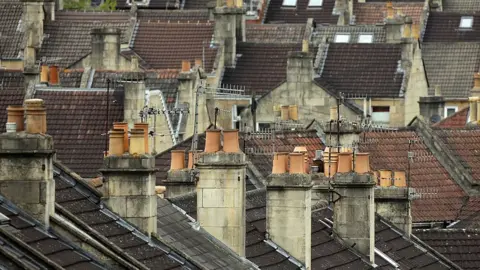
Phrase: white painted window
x=365 y=38
x=380 y=115
x=342 y=38
x=449 y=110
x=289 y=3
x=315 y=3
x=466 y=22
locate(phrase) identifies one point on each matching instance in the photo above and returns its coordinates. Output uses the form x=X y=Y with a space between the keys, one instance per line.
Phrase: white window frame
x=257 y=125
x=365 y=35
x=450 y=107
x=466 y=22
x=384 y=115
x=340 y=38
x=289 y=3
x=314 y=3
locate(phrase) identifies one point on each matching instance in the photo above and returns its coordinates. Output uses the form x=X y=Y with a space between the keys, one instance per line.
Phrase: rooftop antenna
x=108 y=120
x=215 y=123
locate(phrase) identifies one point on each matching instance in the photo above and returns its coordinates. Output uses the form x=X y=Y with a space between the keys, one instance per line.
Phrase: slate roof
x=173 y=15
x=11 y=29
x=76 y=120
x=71 y=78
x=11 y=93
x=451 y=66
x=376 y=12
x=459 y=245
x=31 y=235
x=195 y=4
x=363 y=69
x=261 y=67
x=329 y=31
x=275 y=33
x=445 y=27
x=301 y=13
x=68 y=38
x=174 y=42
x=78 y=200
x=456 y=120
x=464 y=6
x=441 y=199
x=178 y=230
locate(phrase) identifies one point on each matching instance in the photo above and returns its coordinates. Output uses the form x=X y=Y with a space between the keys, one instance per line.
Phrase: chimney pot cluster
x=345 y=162
x=49 y=75
x=230 y=141
x=36 y=117
x=119 y=144
x=294 y=163
x=389 y=178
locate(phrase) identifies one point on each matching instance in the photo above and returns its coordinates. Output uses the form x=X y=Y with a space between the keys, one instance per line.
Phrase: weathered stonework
x=393 y=204
x=221 y=197
x=26 y=173
x=179 y=182
x=130 y=189
x=134 y=99
x=229 y=23
x=105 y=48
x=289 y=214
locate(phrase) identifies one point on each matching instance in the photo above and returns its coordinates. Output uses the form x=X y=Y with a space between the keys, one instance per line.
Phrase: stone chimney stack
x=432 y=108
x=300 y=66
x=354 y=211
x=229 y=27
x=221 y=189
x=26 y=161
x=134 y=96
x=33 y=17
x=398 y=27
x=130 y=180
x=105 y=48
x=289 y=206
x=180 y=178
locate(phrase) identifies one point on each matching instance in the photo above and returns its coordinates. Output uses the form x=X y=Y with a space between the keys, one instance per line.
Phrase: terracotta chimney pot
x=345 y=162
x=186 y=65
x=400 y=180
x=330 y=164
x=230 y=3
x=44 y=74
x=390 y=12
x=143 y=126
x=280 y=162
x=333 y=113
x=212 y=141
x=115 y=146
x=362 y=163
x=385 y=178
x=15 y=115
x=230 y=141
x=54 y=77
x=137 y=142
x=476 y=80
x=192 y=158
x=284 y=112
x=124 y=126
x=198 y=62
x=36 y=117
x=293 y=112
x=178 y=160
x=297 y=163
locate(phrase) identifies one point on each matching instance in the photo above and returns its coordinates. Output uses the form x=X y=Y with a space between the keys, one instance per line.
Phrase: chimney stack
x=180 y=179
x=105 y=48
x=289 y=206
x=221 y=190
x=229 y=27
x=130 y=180
x=432 y=108
x=134 y=97
x=26 y=162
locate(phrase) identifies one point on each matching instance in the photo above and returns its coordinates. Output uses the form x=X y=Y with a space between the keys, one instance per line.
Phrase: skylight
x=315 y=3
x=365 y=38
x=466 y=22
x=342 y=38
x=289 y=3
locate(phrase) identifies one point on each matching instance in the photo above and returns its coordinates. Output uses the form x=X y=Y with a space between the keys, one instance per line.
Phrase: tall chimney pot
x=124 y=127
x=36 y=118
x=53 y=76
x=284 y=112
x=16 y=115
x=344 y=162
x=280 y=162
x=186 y=65
x=362 y=163
x=116 y=143
x=390 y=11
x=178 y=160
x=44 y=74
x=230 y=141
x=144 y=127
x=330 y=163
x=297 y=163
x=212 y=141
x=137 y=142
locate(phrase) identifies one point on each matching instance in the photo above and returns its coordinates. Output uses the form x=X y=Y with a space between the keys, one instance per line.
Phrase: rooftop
x=275 y=33
x=12 y=91
x=445 y=27
x=300 y=12
x=328 y=33
x=373 y=12
x=456 y=120
x=11 y=29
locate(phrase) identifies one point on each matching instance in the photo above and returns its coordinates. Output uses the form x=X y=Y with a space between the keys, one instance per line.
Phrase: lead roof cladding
x=79 y=200
x=21 y=234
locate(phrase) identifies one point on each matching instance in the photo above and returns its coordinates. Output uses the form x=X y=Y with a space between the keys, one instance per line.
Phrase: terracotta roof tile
x=301 y=13
x=165 y=45
x=440 y=197
x=173 y=15
x=11 y=29
x=373 y=12
x=456 y=120
x=256 y=60
x=11 y=93
x=364 y=69
x=275 y=33
x=445 y=26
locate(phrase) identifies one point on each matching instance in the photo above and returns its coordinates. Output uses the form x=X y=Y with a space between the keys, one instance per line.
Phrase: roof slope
x=328 y=32
x=275 y=33
x=76 y=120
x=470 y=215
x=456 y=120
x=260 y=67
x=464 y=6
x=195 y=4
x=375 y=12
x=364 y=69
x=445 y=26
x=301 y=13
x=78 y=200
x=178 y=230
x=11 y=29
x=164 y=45
x=11 y=93
x=173 y=15
x=459 y=245
x=441 y=197
x=35 y=237
x=451 y=66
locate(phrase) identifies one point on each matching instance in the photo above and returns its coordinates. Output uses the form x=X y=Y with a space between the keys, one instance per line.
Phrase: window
x=365 y=38
x=342 y=38
x=236 y=118
x=289 y=3
x=263 y=126
x=315 y=3
x=466 y=22
x=449 y=110
x=380 y=114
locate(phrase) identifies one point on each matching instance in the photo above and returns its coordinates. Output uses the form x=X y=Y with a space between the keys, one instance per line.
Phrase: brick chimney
x=289 y=206
x=134 y=96
x=221 y=190
x=229 y=27
x=180 y=178
x=105 y=48
x=130 y=180
x=26 y=161
x=354 y=215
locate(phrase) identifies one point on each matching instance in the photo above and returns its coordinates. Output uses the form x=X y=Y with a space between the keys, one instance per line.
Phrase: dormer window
x=466 y=22
x=315 y=3
x=289 y=3
x=342 y=38
x=365 y=38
